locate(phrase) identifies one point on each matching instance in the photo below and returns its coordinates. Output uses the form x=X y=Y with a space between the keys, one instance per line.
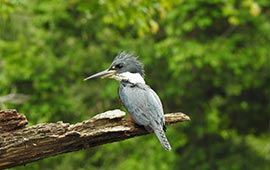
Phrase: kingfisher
x=141 y=102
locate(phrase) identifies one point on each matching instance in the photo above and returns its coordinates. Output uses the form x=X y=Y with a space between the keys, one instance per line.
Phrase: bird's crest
x=130 y=58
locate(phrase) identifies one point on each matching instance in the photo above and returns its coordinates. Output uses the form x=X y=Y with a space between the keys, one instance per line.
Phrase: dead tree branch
x=20 y=145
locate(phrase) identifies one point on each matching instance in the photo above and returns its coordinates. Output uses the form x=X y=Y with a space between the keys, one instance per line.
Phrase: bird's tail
x=163 y=139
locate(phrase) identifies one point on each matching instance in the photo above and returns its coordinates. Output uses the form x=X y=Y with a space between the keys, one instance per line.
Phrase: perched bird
x=141 y=102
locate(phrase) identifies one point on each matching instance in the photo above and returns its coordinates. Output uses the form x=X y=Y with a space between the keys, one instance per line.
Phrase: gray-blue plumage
x=142 y=103
x=145 y=107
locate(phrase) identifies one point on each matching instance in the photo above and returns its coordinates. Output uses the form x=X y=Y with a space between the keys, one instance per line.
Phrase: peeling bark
x=20 y=145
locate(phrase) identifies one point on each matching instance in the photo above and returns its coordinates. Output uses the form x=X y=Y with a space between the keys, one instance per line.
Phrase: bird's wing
x=159 y=102
x=143 y=104
x=145 y=107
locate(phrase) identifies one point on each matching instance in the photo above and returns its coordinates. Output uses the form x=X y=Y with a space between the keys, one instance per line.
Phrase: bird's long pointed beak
x=102 y=74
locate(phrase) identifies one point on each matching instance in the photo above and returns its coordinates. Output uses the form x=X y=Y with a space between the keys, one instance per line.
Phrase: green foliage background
x=208 y=59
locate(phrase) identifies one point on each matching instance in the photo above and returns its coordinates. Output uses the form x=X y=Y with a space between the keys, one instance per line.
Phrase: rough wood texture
x=11 y=120
x=33 y=143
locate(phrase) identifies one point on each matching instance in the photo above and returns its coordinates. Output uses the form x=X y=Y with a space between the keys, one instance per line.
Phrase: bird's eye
x=119 y=66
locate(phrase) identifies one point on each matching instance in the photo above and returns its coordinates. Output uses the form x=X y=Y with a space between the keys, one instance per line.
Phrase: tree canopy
x=208 y=59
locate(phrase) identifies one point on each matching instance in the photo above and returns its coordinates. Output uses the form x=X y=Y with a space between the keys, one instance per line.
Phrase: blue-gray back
x=143 y=104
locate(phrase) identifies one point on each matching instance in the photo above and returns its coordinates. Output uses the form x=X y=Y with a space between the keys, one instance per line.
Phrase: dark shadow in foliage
x=209 y=154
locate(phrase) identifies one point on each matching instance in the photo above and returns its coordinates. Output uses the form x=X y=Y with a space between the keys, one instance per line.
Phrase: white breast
x=131 y=77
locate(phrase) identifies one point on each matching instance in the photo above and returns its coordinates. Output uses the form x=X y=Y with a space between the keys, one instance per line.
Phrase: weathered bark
x=11 y=120
x=29 y=144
